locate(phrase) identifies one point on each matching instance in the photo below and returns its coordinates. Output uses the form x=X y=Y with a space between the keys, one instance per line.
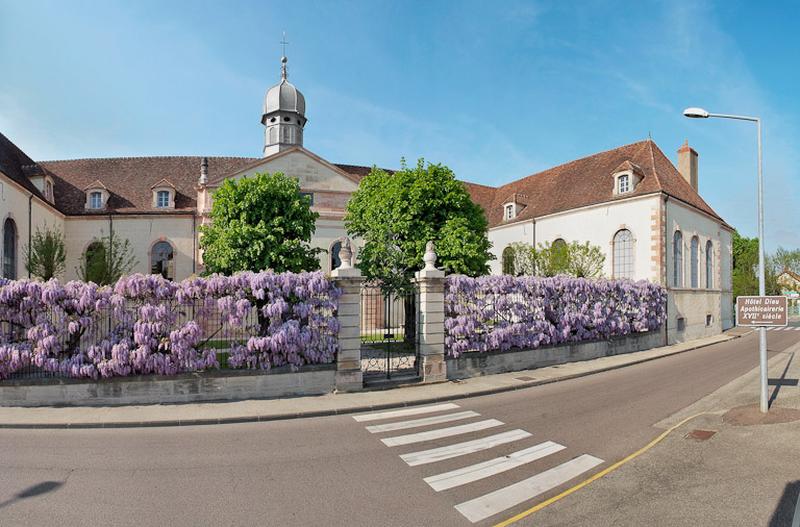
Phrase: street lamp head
x=696 y=113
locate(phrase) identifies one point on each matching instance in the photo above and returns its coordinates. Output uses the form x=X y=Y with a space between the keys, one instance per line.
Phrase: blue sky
x=495 y=90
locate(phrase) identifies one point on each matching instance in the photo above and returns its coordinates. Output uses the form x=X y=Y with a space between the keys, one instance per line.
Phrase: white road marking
x=440 y=433
x=770 y=329
x=425 y=421
x=459 y=449
x=404 y=412
x=465 y=475
x=501 y=499
x=797 y=328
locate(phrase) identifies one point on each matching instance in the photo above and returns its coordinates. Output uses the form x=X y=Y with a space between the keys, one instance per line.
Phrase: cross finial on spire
x=284 y=60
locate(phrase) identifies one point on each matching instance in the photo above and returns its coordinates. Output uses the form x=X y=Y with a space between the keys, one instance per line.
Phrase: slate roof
x=18 y=166
x=589 y=181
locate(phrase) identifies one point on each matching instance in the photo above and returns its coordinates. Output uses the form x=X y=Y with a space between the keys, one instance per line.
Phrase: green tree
x=258 y=223
x=397 y=214
x=519 y=258
x=106 y=260
x=552 y=258
x=785 y=259
x=585 y=261
x=45 y=256
x=745 y=268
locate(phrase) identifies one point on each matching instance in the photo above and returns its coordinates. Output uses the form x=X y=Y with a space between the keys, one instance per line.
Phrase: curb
x=343 y=411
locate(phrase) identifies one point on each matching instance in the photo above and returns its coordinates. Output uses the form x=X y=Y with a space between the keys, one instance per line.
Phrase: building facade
x=644 y=213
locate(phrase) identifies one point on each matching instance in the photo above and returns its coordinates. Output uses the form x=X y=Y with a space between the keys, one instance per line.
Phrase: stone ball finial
x=430 y=257
x=346 y=254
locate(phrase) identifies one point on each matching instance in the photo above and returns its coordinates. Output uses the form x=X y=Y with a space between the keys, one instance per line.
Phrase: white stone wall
x=143 y=232
x=597 y=225
x=14 y=204
x=695 y=305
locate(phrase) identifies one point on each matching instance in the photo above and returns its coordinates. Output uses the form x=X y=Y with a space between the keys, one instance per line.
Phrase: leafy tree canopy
x=397 y=214
x=582 y=260
x=106 y=260
x=745 y=268
x=45 y=256
x=258 y=223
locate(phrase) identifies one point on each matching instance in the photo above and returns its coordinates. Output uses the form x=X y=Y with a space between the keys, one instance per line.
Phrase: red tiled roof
x=589 y=181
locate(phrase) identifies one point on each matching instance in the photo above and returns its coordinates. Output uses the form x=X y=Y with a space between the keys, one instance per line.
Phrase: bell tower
x=283 y=114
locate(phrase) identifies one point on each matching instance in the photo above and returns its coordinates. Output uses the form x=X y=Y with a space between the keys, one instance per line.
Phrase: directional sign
x=761 y=311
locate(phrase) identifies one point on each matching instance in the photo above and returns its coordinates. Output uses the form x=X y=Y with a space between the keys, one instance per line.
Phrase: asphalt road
x=332 y=471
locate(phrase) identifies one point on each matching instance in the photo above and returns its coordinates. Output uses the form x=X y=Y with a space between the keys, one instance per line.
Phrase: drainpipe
x=194 y=243
x=666 y=274
x=30 y=226
x=533 y=225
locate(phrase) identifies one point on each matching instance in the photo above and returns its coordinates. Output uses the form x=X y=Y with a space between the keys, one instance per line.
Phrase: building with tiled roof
x=644 y=213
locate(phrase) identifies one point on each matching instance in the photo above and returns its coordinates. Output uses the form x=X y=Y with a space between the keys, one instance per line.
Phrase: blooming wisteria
x=505 y=312
x=145 y=324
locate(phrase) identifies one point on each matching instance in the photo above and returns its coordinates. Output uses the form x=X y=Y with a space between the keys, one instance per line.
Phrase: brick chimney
x=687 y=164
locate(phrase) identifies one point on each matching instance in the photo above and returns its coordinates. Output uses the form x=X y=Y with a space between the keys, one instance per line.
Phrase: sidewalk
x=330 y=404
x=728 y=465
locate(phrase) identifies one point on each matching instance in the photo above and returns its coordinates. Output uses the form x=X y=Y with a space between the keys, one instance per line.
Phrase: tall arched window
x=162 y=260
x=695 y=262
x=335 y=260
x=94 y=267
x=623 y=254
x=10 y=249
x=508 y=260
x=709 y=265
x=677 y=259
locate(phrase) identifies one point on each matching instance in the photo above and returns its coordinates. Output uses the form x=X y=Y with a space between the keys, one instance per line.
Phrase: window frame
x=509 y=211
x=630 y=257
x=628 y=184
x=677 y=259
x=709 y=264
x=694 y=262
x=10 y=253
x=159 y=194
x=169 y=268
x=95 y=194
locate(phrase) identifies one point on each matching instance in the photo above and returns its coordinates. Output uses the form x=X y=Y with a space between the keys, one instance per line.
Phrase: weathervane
x=284 y=60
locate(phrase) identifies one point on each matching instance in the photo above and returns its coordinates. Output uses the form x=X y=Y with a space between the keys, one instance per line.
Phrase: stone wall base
x=185 y=388
x=477 y=364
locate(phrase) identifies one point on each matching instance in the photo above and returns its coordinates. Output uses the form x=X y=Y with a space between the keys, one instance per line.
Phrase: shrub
x=504 y=312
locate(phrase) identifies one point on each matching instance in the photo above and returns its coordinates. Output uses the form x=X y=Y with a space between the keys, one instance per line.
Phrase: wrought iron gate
x=389 y=341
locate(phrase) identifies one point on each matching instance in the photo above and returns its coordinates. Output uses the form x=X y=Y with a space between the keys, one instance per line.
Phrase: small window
x=681 y=324
x=96 y=200
x=286 y=119
x=508 y=211
x=709 y=320
x=48 y=190
x=162 y=260
x=310 y=196
x=162 y=199
x=272 y=120
x=623 y=184
x=709 y=265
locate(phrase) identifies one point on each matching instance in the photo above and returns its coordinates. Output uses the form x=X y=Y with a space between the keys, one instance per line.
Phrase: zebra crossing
x=784 y=328
x=445 y=416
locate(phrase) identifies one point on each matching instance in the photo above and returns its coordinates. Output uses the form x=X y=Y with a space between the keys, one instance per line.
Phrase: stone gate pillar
x=430 y=281
x=348 y=361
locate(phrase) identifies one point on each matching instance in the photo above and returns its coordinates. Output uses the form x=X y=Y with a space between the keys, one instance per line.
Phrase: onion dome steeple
x=283 y=115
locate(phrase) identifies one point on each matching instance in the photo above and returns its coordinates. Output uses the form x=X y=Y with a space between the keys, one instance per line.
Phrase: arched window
x=709 y=265
x=10 y=249
x=94 y=265
x=335 y=260
x=677 y=259
x=162 y=260
x=623 y=254
x=695 y=262
x=508 y=261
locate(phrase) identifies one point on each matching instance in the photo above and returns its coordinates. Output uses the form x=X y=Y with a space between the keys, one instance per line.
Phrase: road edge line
x=604 y=472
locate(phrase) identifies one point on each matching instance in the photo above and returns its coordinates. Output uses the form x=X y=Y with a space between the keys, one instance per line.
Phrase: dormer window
x=623 y=183
x=163 y=195
x=509 y=211
x=48 y=190
x=96 y=200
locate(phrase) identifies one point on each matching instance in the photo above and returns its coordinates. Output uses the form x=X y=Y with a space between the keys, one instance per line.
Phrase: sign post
x=762 y=312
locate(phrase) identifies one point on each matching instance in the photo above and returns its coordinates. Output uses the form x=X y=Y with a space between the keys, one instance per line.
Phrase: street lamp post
x=700 y=113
